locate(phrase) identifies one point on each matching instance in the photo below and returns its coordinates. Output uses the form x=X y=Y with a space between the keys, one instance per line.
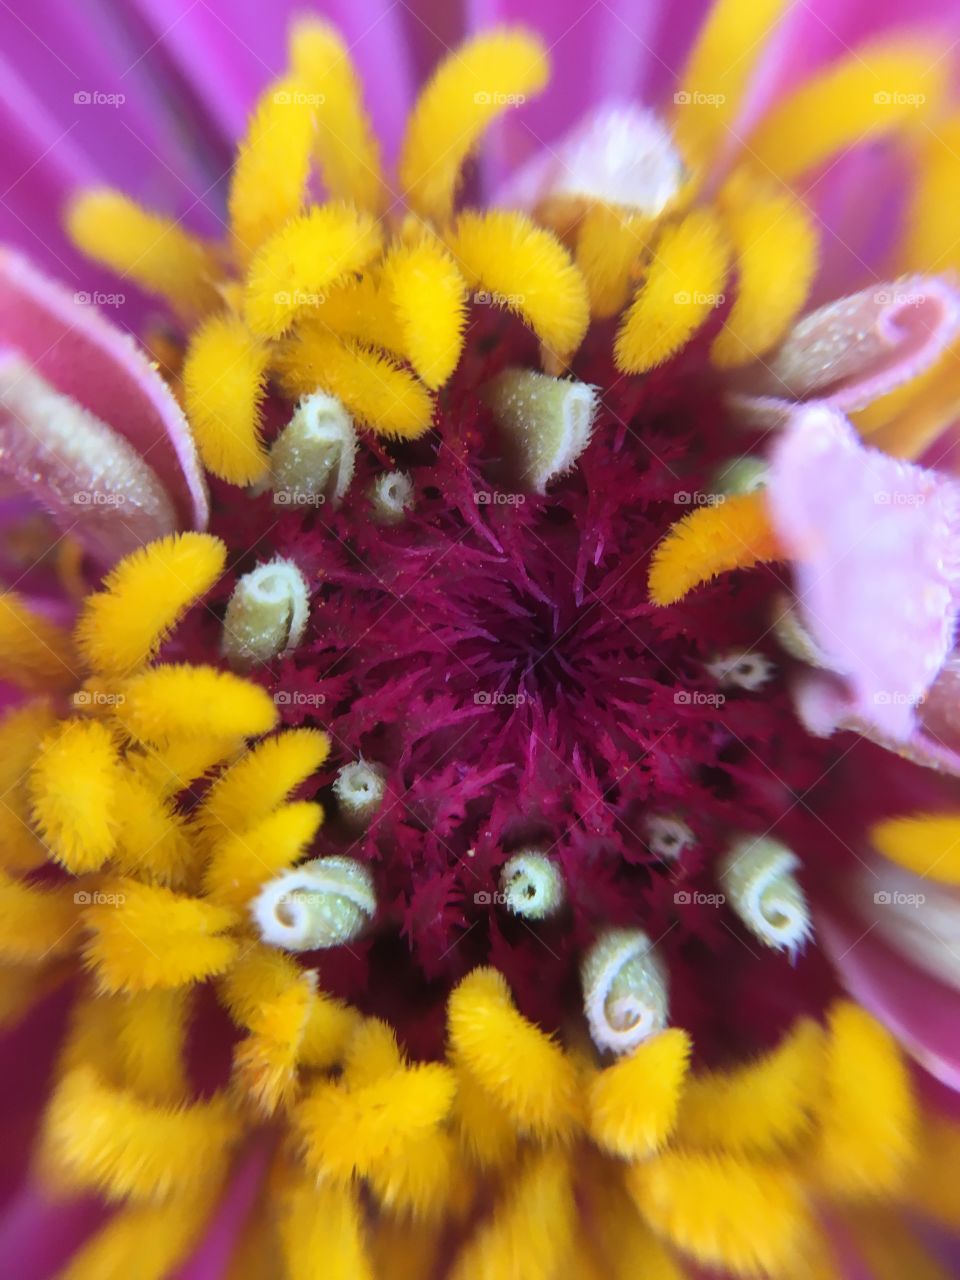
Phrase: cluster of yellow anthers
x=365 y=296
x=594 y=1170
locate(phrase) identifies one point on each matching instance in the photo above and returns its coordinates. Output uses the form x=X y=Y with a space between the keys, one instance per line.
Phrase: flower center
x=487 y=655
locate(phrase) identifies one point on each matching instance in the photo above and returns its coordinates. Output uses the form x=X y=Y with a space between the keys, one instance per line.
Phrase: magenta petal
x=873 y=543
x=74 y=349
x=213 y=1253
x=922 y=1013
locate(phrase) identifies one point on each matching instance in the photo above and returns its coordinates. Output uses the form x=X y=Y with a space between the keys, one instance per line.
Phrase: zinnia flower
x=508 y=827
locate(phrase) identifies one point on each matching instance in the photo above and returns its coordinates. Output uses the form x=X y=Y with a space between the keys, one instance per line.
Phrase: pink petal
x=852 y=351
x=921 y=1012
x=825 y=706
x=618 y=153
x=212 y=1256
x=874 y=546
x=94 y=484
x=74 y=349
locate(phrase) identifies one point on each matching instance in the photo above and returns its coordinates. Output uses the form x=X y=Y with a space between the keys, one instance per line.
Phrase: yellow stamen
x=525 y=269
x=265 y=1063
x=145 y=936
x=122 y=627
x=322 y=1221
x=907 y=421
x=927 y=844
x=194 y=702
x=308 y=255
x=35 y=653
x=151 y=250
x=359 y=309
x=876 y=90
x=731 y=1213
x=149 y=1242
x=261 y=780
x=244 y=861
x=867 y=1120
x=763 y=1108
x=224 y=383
x=428 y=296
x=485 y=1131
x=346 y=146
x=610 y=243
x=931 y=237
x=736 y=534
x=73 y=787
x=469 y=90
x=533 y=1222
x=683 y=284
x=776 y=247
x=21 y=732
x=633 y=1104
x=525 y=1071
x=152 y=839
x=347 y=1132
x=718 y=73
x=36 y=923
x=269 y=179
x=262 y=978
x=110 y=1140
x=151 y=1033
x=376 y=391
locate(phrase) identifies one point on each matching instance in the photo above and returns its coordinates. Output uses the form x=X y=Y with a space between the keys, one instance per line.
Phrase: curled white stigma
x=323 y=903
x=741 y=669
x=547 y=421
x=667 y=836
x=359 y=788
x=391 y=496
x=741 y=475
x=758 y=880
x=313 y=457
x=624 y=990
x=267 y=614
x=532 y=885
x=792 y=632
